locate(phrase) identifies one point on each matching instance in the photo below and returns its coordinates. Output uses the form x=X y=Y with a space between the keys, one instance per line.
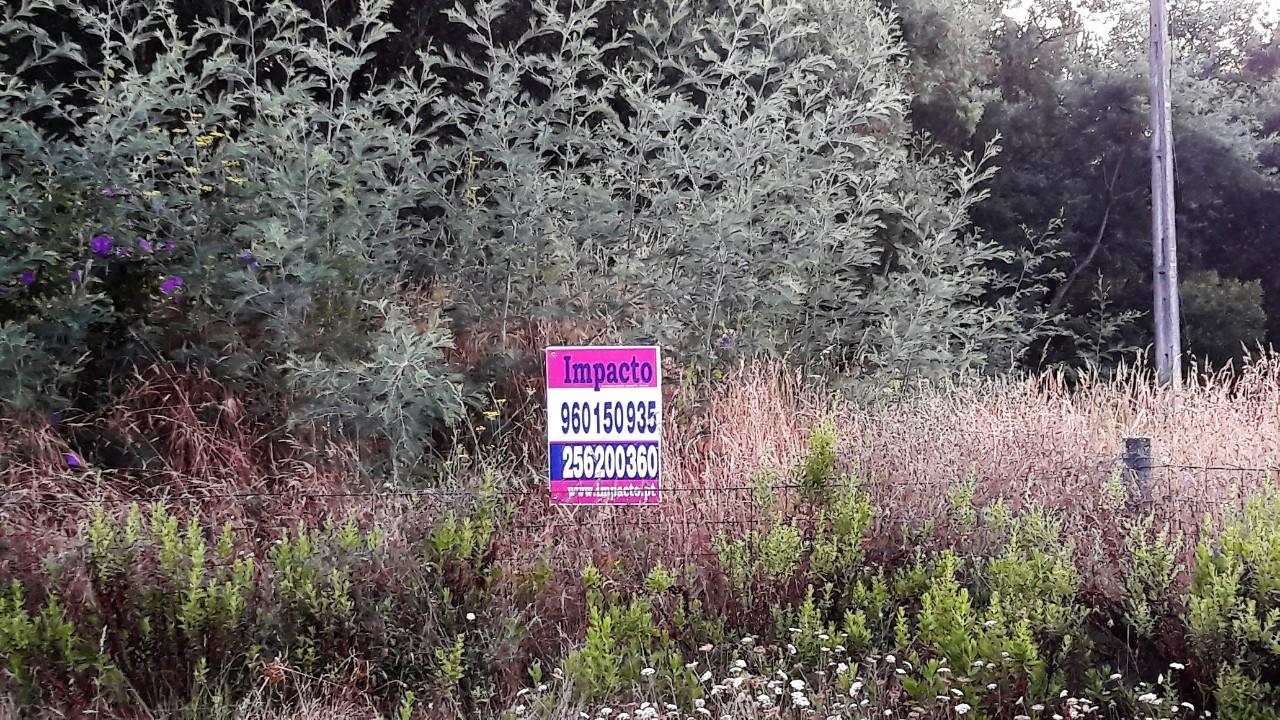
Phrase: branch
x=1060 y=295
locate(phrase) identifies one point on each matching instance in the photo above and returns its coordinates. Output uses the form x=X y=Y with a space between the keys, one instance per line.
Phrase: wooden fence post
x=1137 y=460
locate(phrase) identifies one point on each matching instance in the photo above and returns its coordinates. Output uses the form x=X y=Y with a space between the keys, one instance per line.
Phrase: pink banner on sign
x=596 y=368
x=599 y=492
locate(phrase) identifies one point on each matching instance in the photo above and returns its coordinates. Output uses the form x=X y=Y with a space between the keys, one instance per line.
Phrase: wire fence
x=683 y=528
x=1110 y=465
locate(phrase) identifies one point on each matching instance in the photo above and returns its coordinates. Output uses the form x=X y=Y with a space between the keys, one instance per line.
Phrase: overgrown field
x=933 y=551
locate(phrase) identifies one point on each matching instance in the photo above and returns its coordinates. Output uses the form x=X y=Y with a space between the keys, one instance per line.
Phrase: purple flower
x=55 y=417
x=101 y=244
x=726 y=341
x=145 y=245
x=28 y=277
x=168 y=247
x=246 y=255
x=73 y=460
x=113 y=192
x=75 y=276
x=170 y=286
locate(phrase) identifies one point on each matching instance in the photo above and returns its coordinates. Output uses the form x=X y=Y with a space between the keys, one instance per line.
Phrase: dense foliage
x=249 y=192
x=983 y=611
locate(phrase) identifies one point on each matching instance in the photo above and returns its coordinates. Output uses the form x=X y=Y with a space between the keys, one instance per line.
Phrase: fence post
x=1137 y=460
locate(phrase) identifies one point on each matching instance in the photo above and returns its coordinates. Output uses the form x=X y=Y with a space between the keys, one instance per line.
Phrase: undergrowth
x=986 y=617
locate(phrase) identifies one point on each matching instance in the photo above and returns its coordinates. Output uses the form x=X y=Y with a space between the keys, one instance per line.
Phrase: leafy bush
x=229 y=194
x=1233 y=611
x=740 y=177
x=1224 y=318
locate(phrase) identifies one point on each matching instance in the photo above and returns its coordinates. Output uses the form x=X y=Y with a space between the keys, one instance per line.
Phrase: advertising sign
x=604 y=425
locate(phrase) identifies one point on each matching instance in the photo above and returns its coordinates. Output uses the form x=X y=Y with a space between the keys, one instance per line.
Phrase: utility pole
x=1164 y=238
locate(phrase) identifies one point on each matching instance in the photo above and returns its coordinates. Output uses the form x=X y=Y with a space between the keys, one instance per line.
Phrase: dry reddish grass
x=1019 y=440
x=170 y=435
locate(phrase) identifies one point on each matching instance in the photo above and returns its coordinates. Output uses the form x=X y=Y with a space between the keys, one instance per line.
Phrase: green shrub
x=1240 y=697
x=1035 y=576
x=801 y=217
x=216 y=193
x=1233 y=604
x=1224 y=318
x=1150 y=567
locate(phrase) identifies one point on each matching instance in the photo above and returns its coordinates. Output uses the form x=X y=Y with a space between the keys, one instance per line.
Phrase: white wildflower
x=471 y=616
x=963 y=708
x=797 y=684
x=647 y=672
x=1177 y=666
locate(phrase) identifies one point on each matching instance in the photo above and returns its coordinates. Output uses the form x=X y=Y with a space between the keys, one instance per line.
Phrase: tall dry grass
x=1039 y=439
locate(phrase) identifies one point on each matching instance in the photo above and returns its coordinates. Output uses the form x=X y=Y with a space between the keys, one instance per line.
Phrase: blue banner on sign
x=605 y=461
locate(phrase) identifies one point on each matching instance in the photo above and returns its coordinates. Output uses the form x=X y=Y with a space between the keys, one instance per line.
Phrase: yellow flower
x=230 y=163
x=235 y=179
x=179 y=131
x=162 y=157
x=491 y=414
x=207 y=188
x=196 y=116
x=480 y=428
x=192 y=169
x=204 y=140
x=151 y=194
